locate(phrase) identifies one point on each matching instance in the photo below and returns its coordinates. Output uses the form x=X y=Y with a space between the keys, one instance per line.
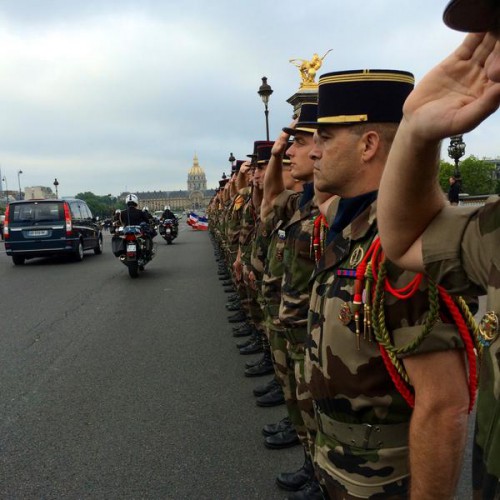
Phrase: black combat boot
x=295 y=481
x=239 y=317
x=283 y=439
x=253 y=348
x=282 y=425
x=260 y=390
x=311 y=491
x=272 y=398
x=265 y=367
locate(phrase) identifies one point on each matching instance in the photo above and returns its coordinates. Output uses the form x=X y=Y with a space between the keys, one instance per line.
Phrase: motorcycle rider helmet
x=118 y=211
x=167 y=207
x=145 y=209
x=132 y=199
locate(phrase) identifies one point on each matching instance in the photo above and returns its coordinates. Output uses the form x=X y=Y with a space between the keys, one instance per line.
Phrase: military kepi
x=363 y=96
x=473 y=16
x=263 y=151
x=306 y=121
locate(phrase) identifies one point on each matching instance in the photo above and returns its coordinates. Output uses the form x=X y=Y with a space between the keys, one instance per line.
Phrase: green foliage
x=101 y=206
x=477 y=176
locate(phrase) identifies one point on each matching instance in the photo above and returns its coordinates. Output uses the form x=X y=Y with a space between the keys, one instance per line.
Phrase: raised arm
x=273 y=179
x=453 y=98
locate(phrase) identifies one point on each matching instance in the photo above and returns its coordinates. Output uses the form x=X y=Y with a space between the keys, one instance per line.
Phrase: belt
x=366 y=436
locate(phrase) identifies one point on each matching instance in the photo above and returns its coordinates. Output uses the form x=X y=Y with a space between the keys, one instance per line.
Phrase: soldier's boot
x=239 y=317
x=245 y=331
x=253 y=348
x=233 y=306
x=282 y=439
x=260 y=390
x=265 y=367
x=274 y=397
x=245 y=343
x=282 y=425
x=295 y=481
x=311 y=491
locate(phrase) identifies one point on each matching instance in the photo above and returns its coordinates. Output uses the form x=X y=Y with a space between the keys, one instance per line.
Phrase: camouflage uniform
x=460 y=250
x=233 y=226
x=363 y=421
x=298 y=214
x=271 y=299
x=249 y=219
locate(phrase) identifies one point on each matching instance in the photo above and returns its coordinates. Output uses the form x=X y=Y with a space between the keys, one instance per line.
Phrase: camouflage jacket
x=350 y=384
x=260 y=244
x=273 y=267
x=461 y=251
x=298 y=260
x=248 y=222
x=233 y=223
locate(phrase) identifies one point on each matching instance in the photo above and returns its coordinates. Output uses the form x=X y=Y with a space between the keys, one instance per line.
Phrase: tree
x=477 y=176
x=102 y=206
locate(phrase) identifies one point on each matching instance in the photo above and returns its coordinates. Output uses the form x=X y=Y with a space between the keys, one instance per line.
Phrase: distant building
x=38 y=192
x=496 y=163
x=195 y=197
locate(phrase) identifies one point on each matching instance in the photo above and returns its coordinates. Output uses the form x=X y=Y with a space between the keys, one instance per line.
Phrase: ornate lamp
x=265 y=92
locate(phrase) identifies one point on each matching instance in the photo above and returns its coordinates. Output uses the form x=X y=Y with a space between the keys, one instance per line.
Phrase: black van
x=40 y=228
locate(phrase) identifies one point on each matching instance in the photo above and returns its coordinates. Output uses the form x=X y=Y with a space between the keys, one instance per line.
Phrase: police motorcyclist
x=168 y=214
x=133 y=216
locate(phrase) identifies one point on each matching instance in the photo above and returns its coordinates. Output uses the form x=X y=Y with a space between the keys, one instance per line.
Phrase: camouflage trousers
x=304 y=400
x=283 y=368
x=344 y=470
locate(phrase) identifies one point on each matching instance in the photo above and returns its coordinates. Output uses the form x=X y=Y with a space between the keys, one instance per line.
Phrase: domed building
x=197 y=184
x=197 y=196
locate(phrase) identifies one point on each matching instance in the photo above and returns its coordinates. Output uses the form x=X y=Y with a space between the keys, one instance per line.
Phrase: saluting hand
x=459 y=93
x=281 y=143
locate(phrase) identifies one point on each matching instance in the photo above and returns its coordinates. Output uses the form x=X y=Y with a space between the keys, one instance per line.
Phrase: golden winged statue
x=309 y=68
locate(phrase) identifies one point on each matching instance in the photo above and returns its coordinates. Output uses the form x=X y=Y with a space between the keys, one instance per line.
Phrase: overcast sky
x=118 y=95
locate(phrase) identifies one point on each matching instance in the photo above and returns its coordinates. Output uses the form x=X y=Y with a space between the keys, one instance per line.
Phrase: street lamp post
x=231 y=160
x=56 y=183
x=6 y=189
x=19 y=172
x=456 y=150
x=265 y=92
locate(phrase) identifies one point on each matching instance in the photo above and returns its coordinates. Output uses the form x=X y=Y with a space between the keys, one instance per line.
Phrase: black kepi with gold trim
x=307 y=120
x=263 y=152
x=363 y=96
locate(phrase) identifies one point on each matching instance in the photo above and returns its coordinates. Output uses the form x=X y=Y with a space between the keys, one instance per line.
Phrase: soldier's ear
x=370 y=144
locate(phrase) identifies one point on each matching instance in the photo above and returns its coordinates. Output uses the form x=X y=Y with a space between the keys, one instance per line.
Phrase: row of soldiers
x=376 y=364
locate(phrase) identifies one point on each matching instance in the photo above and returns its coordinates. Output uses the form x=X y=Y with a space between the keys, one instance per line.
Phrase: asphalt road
x=113 y=388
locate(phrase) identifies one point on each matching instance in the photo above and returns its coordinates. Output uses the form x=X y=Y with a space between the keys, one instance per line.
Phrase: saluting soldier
x=376 y=346
x=457 y=246
x=297 y=215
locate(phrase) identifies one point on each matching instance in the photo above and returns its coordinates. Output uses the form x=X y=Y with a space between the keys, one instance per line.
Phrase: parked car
x=41 y=228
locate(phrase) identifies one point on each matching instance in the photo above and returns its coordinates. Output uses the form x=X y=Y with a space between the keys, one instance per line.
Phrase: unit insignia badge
x=488 y=328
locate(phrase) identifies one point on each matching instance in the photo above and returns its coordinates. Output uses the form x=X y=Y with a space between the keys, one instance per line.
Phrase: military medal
x=356 y=256
x=345 y=314
x=488 y=329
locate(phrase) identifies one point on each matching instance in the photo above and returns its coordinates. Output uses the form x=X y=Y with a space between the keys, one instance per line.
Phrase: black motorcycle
x=168 y=230
x=133 y=245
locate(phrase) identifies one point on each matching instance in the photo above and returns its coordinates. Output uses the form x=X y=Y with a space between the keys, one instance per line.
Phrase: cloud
x=105 y=94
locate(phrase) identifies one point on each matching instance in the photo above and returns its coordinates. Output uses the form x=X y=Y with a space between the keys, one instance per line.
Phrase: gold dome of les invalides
x=196 y=169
